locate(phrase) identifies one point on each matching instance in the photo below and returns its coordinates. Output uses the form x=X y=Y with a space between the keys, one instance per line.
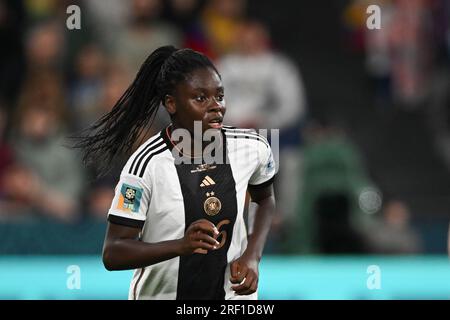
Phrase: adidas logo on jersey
x=207 y=181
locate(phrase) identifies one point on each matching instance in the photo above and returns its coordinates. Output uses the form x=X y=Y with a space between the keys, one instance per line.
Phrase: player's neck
x=195 y=142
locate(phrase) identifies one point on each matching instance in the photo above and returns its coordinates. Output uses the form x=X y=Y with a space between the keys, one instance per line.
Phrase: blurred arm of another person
x=23 y=191
x=60 y=200
x=57 y=199
x=14 y=187
x=51 y=201
x=289 y=92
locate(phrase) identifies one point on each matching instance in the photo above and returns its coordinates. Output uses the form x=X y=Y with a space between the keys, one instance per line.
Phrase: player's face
x=199 y=98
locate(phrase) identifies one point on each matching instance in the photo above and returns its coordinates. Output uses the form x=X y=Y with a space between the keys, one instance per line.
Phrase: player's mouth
x=215 y=123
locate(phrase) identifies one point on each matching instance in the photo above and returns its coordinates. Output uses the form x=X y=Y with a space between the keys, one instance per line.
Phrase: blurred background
x=364 y=119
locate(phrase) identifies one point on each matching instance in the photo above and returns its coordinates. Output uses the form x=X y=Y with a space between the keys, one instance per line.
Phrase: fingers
x=245 y=278
x=238 y=272
x=234 y=269
x=204 y=238
x=205 y=226
x=249 y=286
x=202 y=247
x=252 y=289
x=201 y=236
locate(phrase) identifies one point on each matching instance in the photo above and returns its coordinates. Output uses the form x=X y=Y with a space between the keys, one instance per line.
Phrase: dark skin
x=199 y=98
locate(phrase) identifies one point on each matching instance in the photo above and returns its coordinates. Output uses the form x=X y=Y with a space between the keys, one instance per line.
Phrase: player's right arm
x=123 y=250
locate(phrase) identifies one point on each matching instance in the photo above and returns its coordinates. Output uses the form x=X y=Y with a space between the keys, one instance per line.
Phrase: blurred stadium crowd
x=54 y=82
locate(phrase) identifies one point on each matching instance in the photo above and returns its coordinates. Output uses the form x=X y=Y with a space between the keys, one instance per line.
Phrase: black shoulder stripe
x=230 y=129
x=150 y=145
x=134 y=223
x=146 y=154
x=149 y=158
x=247 y=137
x=233 y=136
x=252 y=134
x=246 y=132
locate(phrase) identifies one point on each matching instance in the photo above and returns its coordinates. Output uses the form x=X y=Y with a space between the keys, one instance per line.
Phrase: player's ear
x=169 y=103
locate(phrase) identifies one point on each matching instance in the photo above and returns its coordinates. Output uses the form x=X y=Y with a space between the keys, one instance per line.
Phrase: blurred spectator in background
x=45 y=46
x=51 y=42
x=55 y=175
x=184 y=15
x=354 y=24
x=399 y=55
x=87 y=85
x=379 y=56
x=332 y=172
x=393 y=233
x=6 y=164
x=106 y=21
x=18 y=187
x=115 y=81
x=6 y=152
x=42 y=10
x=412 y=50
x=221 y=20
x=264 y=88
x=144 y=32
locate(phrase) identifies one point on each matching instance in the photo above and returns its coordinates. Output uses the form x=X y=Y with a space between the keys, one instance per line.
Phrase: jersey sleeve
x=266 y=168
x=131 y=201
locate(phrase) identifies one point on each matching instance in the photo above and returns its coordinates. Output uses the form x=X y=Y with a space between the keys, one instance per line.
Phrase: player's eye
x=200 y=98
x=220 y=97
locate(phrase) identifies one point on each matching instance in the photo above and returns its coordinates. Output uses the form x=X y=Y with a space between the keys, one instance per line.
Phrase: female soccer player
x=180 y=224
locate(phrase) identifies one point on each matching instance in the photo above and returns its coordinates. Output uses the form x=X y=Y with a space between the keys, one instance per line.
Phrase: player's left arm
x=246 y=267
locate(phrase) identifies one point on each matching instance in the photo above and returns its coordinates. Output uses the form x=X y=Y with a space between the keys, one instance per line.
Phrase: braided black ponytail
x=115 y=133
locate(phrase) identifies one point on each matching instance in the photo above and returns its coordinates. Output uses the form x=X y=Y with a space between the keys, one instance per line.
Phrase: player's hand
x=199 y=237
x=244 y=273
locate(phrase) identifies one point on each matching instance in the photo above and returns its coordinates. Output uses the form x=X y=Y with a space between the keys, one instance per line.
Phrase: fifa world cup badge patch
x=130 y=198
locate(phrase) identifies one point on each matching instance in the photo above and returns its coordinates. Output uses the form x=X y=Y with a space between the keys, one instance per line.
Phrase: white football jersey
x=163 y=198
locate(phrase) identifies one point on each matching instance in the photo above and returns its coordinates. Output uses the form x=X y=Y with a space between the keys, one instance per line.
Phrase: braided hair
x=115 y=133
